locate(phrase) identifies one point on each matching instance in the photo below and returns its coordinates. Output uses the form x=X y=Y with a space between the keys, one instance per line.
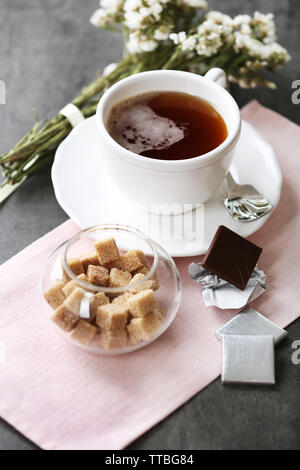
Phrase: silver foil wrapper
x=85 y=306
x=251 y=322
x=248 y=359
x=219 y=293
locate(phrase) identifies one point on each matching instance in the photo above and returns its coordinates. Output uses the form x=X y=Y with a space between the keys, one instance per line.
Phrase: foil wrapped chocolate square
x=250 y=322
x=231 y=257
x=248 y=359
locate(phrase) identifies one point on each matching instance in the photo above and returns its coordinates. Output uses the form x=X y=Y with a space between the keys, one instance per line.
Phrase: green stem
x=53 y=141
x=97 y=85
x=173 y=59
x=40 y=138
x=59 y=123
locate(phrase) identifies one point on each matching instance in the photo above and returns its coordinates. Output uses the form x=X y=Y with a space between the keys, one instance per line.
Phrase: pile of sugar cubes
x=114 y=320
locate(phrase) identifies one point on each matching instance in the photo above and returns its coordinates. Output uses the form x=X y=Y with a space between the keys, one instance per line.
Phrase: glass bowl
x=160 y=276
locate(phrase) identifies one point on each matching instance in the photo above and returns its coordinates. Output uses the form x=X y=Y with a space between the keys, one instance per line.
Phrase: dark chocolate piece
x=231 y=257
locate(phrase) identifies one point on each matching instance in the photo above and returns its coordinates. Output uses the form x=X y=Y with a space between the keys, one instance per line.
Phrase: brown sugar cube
x=144 y=270
x=64 y=277
x=98 y=300
x=84 y=332
x=86 y=260
x=113 y=339
x=122 y=299
x=71 y=285
x=97 y=275
x=76 y=266
x=119 y=278
x=118 y=263
x=142 y=329
x=148 y=284
x=107 y=250
x=55 y=296
x=133 y=260
x=112 y=316
x=73 y=301
x=154 y=276
x=142 y=303
x=64 y=318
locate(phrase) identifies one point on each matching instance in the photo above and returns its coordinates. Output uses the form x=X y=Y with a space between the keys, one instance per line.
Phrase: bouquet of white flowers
x=243 y=46
x=158 y=34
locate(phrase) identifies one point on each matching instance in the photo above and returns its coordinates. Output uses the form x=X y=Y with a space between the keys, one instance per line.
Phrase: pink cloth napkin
x=63 y=398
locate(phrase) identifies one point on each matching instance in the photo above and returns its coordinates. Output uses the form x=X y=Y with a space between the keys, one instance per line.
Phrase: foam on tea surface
x=140 y=129
x=166 y=125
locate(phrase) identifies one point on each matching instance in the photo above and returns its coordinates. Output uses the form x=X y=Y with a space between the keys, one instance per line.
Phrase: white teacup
x=164 y=185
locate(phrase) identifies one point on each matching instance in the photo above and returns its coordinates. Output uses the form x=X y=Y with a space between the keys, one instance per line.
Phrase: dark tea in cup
x=166 y=125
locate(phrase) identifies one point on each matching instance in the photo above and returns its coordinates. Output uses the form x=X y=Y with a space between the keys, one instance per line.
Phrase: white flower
x=264 y=27
x=109 y=69
x=178 y=38
x=263 y=18
x=111 y=6
x=260 y=50
x=150 y=22
x=174 y=37
x=138 y=13
x=245 y=29
x=99 y=18
x=143 y=19
x=241 y=19
x=131 y=5
x=189 y=43
x=209 y=38
x=219 y=17
x=133 y=19
x=269 y=84
x=182 y=36
x=133 y=43
x=261 y=26
x=161 y=33
x=244 y=83
x=156 y=10
x=148 y=46
x=195 y=3
x=154 y=2
x=144 y=12
x=106 y=14
x=224 y=22
x=138 y=43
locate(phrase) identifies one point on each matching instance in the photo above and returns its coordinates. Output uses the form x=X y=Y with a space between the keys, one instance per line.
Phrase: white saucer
x=89 y=197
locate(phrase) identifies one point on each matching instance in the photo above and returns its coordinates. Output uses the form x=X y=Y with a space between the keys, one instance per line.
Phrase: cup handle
x=218 y=76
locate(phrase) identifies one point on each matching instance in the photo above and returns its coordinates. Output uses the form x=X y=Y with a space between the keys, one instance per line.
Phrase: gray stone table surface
x=48 y=50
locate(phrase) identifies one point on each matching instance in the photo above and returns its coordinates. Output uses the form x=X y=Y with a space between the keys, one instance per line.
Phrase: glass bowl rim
x=118 y=227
